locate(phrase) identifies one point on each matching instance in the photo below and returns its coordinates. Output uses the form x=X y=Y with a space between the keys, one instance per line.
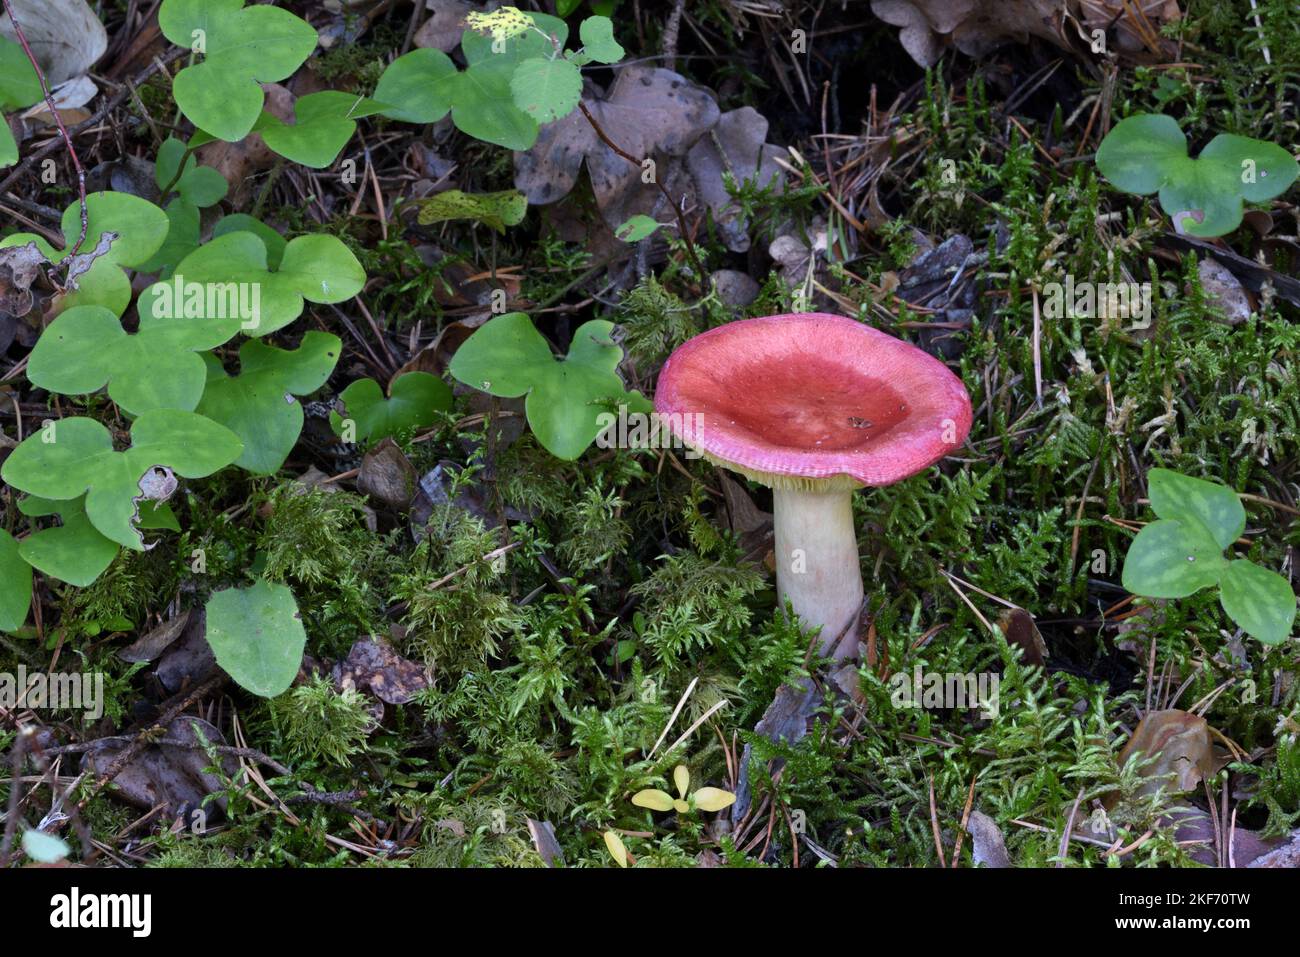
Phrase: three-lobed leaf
x=1216 y=507
x=241 y=47
x=72 y=457
x=1147 y=153
x=416 y=399
x=258 y=405
x=508 y=357
x=323 y=124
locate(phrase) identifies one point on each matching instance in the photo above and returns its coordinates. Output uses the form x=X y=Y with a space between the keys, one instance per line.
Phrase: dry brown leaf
x=65 y=36
x=1179 y=741
x=1224 y=291
x=651 y=113
x=372 y=665
x=736 y=145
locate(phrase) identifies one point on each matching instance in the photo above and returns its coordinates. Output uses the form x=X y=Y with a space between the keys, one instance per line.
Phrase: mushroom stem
x=817 y=563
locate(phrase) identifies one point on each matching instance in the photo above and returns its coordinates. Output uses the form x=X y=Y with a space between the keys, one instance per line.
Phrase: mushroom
x=813 y=406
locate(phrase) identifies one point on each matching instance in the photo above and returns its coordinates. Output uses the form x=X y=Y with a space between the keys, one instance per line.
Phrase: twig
x=681 y=220
x=63 y=130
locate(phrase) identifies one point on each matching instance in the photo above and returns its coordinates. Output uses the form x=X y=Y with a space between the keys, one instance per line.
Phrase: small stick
x=63 y=131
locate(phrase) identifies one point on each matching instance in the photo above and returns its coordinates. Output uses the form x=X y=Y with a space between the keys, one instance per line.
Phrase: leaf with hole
x=257 y=636
x=258 y=405
x=72 y=457
x=498 y=210
x=1173 y=559
x=139 y=228
x=241 y=48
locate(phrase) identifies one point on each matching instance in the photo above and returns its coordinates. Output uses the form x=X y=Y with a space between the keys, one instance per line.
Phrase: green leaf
x=416 y=84
x=228 y=278
x=183 y=226
x=86 y=348
x=257 y=635
x=479 y=48
x=44 y=848
x=1215 y=506
x=416 y=399
x=1147 y=153
x=483 y=106
x=8 y=145
x=15 y=584
x=598 y=41
x=546 y=89
x=201 y=186
x=1260 y=601
x=637 y=228
x=1135 y=155
x=243 y=223
x=73 y=552
x=323 y=124
x=508 y=357
x=20 y=87
x=140 y=227
x=242 y=47
x=258 y=405
x=498 y=210
x=75 y=456
x=1172 y=559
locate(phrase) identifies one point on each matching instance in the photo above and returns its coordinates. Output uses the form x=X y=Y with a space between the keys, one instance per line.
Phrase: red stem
x=49 y=101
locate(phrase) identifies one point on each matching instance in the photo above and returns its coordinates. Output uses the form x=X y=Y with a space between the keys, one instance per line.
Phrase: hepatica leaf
x=1147 y=153
x=323 y=124
x=424 y=85
x=598 y=43
x=416 y=399
x=75 y=456
x=508 y=357
x=1172 y=559
x=201 y=186
x=140 y=228
x=546 y=89
x=257 y=635
x=258 y=405
x=86 y=348
x=74 y=551
x=228 y=278
x=1260 y=601
x=241 y=47
x=15 y=584
x=19 y=87
x=1215 y=506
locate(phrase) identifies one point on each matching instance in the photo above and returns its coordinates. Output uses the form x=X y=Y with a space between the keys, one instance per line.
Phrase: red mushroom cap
x=812 y=401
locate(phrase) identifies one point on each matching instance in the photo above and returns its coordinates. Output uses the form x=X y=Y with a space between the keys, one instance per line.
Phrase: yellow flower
x=706 y=799
x=502 y=24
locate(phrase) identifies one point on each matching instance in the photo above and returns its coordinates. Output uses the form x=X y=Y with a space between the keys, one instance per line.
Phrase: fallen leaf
x=66 y=37
x=445 y=25
x=649 y=112
x=988 y=847
x=154 y=642
x=171 y=775
x=736 y=145
x=1224 y=291
x=1180 y=744
x=19 y=268
x=372 y=665
x=387 y=474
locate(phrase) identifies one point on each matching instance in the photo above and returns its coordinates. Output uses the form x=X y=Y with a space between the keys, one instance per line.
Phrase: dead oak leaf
x=650 y=113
